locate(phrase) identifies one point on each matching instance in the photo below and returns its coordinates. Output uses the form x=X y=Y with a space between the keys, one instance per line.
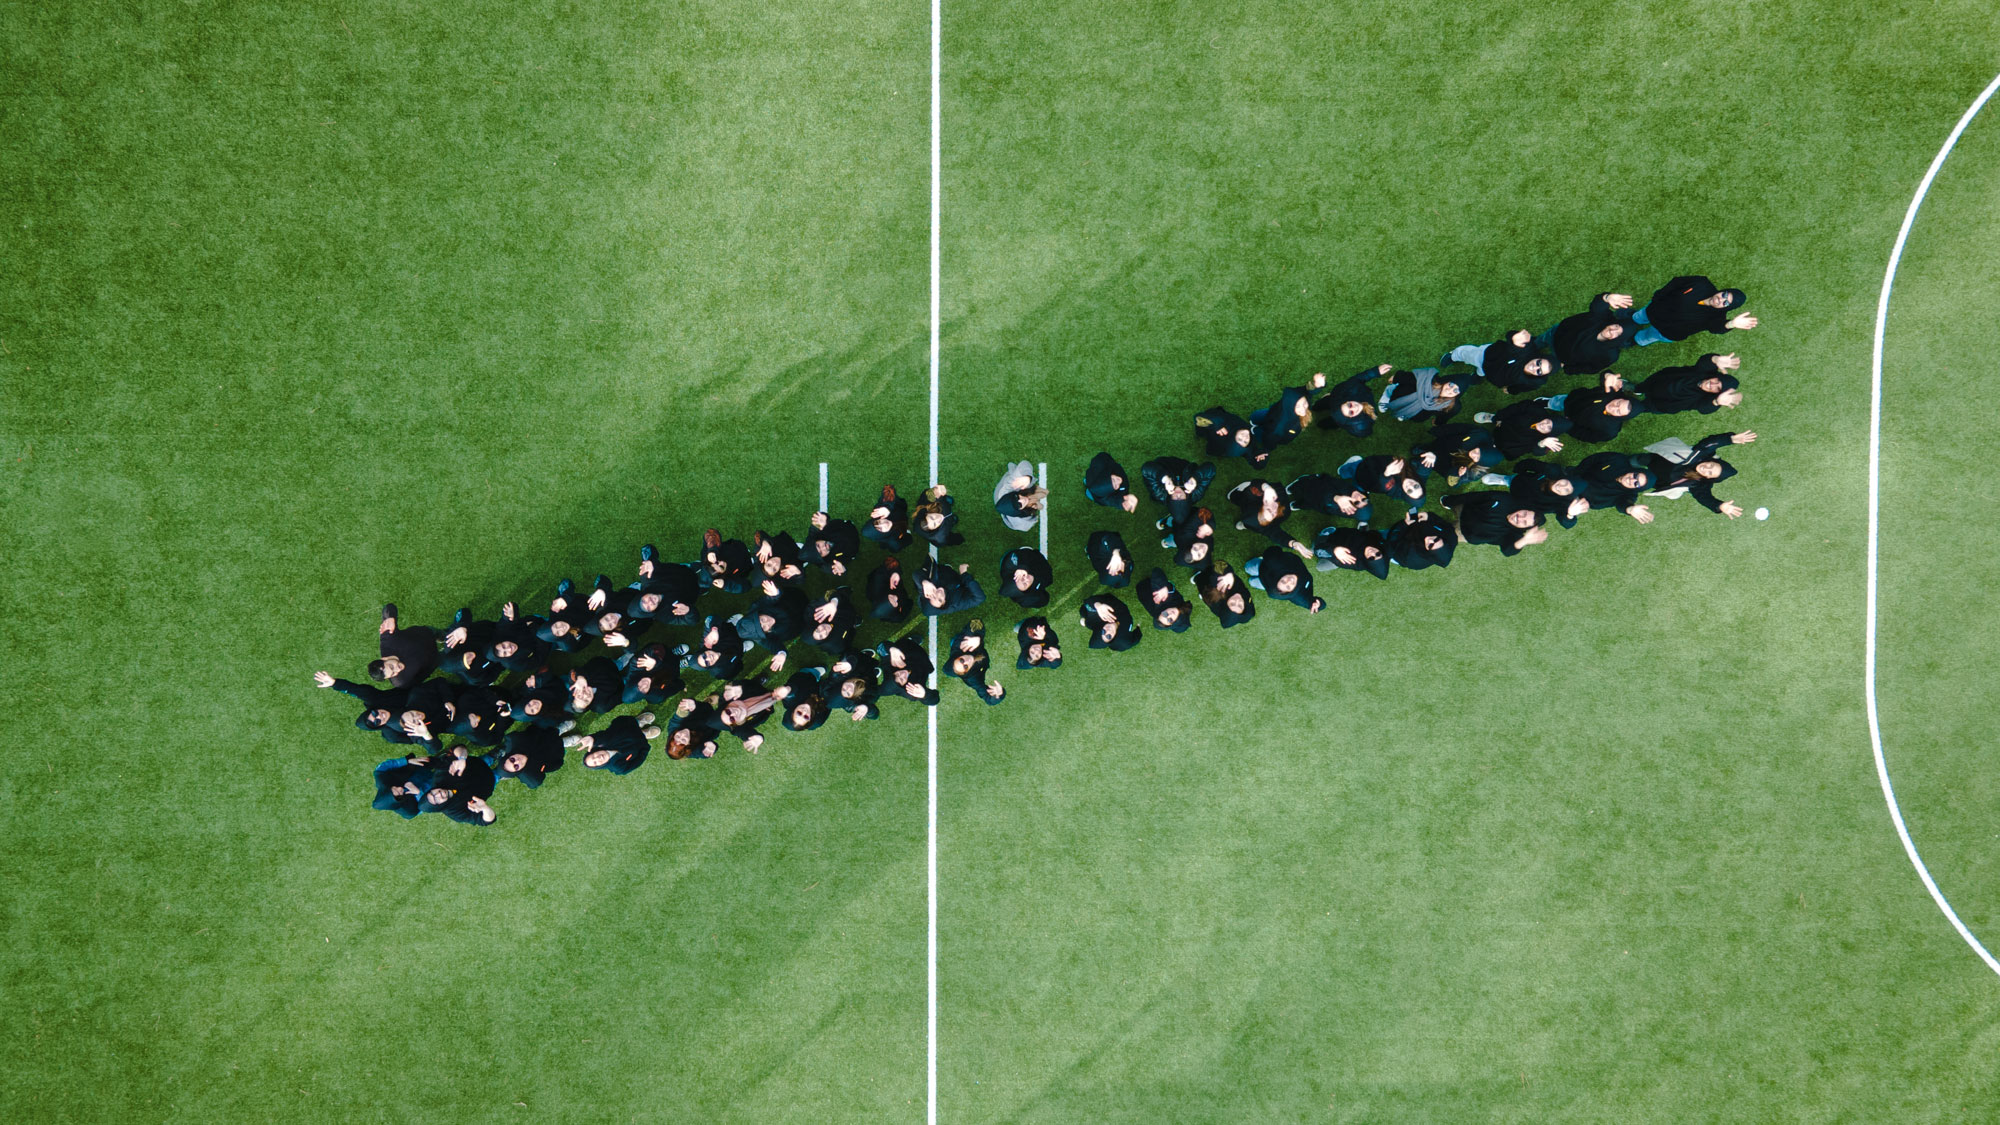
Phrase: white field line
x=931 y=717
x=1042 y=482
x=1874 y=514
x=822 y=486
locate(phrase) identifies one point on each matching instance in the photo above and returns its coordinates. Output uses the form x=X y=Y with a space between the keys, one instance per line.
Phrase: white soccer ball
x=1763 y=513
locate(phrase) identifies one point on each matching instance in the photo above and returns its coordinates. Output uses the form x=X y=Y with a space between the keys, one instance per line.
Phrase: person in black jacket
x=1025 y=576
x=621 y=747
x=542 y=698
x=1457 y=450
x=834 y=620
x=1038 y=644
x=1329 y=496
x=400 y=784
x=469 y=666
x=1193 y=539
x=692 y=729
x=1165 y=604
x=778 y=556
x=934 y=519
x=563 y=627
x=1351 y=548
x=1105 y=483
x=1224 y=594
x=1522 y=428
x=1227 y=435
x=1109 y=558
x=804 y=701
x=1597 y=414
x=775 y=620
x=1511 y=363
x=427 y=711
x=408 y=655
x=888 y=523
x=459 y=790
x=1351 y=405
x=379 y=706
x=1279 y=424
x=942 y=590
x=970 y=662
x=720 y=654
x=1615 y=480
x=529 y=755
x=1499 y=518
x=1389 y=476
x=480 y=715
x=725 y=564
x=1687 y=305
x=1589 y=342
x=1108 y=622
x=610 y=622
x=651 y=675
x=515 y=644
x=1177 y=484
x=888 y=594
x=1261 y=507
x=1703 y=385
x=906 y=670
x=853 y=683
x=833 y=545
x=1698 y=470
x=1280 y=574
x=1421 y=541
x=595 y=686
x=669 y=593
x=1549 y=489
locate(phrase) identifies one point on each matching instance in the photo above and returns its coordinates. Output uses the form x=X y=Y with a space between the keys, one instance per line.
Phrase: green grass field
x=309 y=308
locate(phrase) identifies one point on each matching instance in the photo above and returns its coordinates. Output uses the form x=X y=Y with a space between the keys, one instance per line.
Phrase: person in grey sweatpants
x=1017 y=499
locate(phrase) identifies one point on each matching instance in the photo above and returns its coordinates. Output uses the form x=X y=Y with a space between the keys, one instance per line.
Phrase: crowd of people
x=481 y=701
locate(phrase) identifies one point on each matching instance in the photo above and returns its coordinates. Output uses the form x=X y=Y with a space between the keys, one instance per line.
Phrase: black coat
x=1406 y=542
x=1092 y=616
x=1575 y=341
x=1678 y=313
x=1505 y=366
x=1026 y=558
x=1482 y=517
x=1359 y=541
x=1675 y=390
x=1514 y=430
x=1098 y=485
x=1100 y=548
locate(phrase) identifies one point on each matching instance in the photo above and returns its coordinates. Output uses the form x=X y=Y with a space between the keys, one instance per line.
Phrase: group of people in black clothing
x=510 y=692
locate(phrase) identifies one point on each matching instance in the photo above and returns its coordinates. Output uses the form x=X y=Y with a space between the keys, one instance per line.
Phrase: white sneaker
x=572 y=741
x=566 y=726
x=645 y=718
x=1494 y=479
x=1484 y=417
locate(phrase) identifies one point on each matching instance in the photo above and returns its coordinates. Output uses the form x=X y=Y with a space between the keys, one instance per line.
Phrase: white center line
x=937 y=213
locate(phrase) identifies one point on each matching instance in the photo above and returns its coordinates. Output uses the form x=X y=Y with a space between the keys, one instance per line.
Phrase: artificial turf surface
x=306 y=310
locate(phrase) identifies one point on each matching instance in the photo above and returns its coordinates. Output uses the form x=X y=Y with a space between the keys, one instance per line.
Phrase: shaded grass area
x=307 y=311
x=310 y=311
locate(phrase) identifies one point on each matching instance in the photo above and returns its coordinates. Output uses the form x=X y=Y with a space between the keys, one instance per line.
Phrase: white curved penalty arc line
x=1874 y=514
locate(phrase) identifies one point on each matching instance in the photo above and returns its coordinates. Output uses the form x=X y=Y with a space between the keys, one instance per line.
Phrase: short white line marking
x=1874 y=513
x=822 y=486
x=1042 y=482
